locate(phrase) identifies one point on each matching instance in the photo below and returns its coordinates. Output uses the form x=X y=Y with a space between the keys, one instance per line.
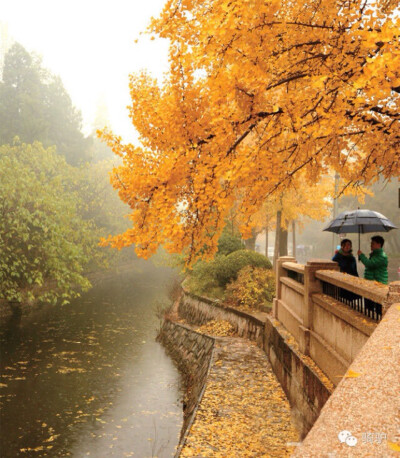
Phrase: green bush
x=228 y=243
x=202 y=280
x=43 y=239
x=226 y=268
x=210 y=278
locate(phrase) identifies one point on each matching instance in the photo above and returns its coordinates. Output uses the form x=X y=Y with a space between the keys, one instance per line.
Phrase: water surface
x=88 y=379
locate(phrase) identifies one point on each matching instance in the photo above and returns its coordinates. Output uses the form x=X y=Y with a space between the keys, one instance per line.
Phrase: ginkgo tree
x=256 y=92
x=297 y=203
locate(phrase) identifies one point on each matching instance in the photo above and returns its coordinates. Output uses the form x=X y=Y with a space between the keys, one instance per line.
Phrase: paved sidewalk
x=244 y=411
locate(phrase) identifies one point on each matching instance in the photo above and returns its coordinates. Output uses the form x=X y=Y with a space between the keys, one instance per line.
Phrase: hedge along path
x=244 y=411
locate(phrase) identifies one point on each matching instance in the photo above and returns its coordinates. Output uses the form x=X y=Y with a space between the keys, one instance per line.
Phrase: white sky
x=90 y=44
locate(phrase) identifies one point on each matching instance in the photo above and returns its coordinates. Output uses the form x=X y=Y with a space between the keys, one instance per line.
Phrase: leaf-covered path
x=244 y=411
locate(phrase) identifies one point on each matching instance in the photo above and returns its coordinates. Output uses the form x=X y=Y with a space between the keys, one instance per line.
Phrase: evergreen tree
x=35 y=106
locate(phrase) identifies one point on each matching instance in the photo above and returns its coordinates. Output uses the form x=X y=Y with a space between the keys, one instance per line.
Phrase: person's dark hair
x=344 y=241
x=378 y=239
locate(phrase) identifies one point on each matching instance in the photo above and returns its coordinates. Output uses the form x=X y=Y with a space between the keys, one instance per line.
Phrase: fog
x=91 y=45
x=312 y=242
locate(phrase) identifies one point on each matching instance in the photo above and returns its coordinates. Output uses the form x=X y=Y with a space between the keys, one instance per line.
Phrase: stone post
x=393 y=296
x=279 y=272
x=312 y=285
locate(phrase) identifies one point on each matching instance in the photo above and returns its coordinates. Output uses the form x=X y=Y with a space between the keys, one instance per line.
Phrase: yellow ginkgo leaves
x=352 y=374
x=395 y=446
x=257 y=94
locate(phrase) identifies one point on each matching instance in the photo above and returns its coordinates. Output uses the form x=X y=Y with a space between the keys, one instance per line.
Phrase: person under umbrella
x=362 y=221
x=348 y=265
x=376 y=266
x=344 y=257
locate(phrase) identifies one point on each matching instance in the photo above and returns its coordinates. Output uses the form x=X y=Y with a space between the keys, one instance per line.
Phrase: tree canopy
x=52 y=216
x=35 y=106
x=44 y=243
x=256 y=92
x=52 y=211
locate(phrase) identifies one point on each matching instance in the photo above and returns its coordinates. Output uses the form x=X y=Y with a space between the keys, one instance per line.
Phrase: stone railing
x=331 y=330
x=365 y=406
x=313 y=331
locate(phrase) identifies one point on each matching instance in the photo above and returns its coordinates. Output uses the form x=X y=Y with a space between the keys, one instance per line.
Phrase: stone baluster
x=311 y=285
x=393 y=296
x=280 y=272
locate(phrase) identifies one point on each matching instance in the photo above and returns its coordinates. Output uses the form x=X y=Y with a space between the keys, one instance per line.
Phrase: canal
x=89 y=379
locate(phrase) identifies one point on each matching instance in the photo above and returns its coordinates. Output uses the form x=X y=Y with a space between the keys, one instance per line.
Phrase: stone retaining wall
x=198 y=310
x=192 y=352
x=303 y=386
x=306 y=389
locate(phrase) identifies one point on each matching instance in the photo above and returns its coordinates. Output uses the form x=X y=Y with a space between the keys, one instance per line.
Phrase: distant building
x=5 y=44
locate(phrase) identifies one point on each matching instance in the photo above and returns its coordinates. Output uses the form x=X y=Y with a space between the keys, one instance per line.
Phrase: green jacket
x=375 y=266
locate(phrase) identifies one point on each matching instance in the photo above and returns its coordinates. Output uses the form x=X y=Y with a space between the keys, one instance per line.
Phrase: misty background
x=64 y=72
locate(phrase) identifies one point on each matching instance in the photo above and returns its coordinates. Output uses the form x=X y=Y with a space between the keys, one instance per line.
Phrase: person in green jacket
x=376 y=266
x=375 y=269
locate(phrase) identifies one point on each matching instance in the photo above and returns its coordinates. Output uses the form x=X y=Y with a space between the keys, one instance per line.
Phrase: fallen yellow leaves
x=68 y=370
x=52 y=438
x=351 y=374
x=291 y=341
x=36 y=449
x=394 y=446
x=244 y=411
x=217 y=328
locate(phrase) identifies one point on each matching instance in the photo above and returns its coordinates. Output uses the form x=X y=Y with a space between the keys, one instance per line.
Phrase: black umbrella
x=361 y=222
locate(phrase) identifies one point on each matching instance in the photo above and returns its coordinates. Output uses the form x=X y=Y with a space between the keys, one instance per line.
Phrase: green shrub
x=228 y=243
x=254 y=288
x=211 y=278
x=202 y=280
x=226 y=268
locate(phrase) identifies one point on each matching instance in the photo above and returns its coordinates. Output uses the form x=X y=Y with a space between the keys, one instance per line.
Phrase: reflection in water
x=88 y=379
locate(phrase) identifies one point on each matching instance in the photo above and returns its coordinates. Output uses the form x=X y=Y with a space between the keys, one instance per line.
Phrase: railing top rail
x=293 y=284
x=356 y=319
x=374 y=291
x=294 y=266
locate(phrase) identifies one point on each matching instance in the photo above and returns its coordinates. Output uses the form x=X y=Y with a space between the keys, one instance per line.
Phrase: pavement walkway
x=244 y=411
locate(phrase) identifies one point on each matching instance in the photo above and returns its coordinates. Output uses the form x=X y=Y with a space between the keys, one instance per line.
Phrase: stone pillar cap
x=322 y=262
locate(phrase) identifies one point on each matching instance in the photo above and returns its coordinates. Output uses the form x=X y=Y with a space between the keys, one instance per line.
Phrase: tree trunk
x=277 y=236
x=250 y=243
x=294 y=238
x=283 y=242
x=266 y=242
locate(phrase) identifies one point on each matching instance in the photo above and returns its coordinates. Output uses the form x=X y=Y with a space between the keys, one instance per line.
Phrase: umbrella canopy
x=359 y=221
